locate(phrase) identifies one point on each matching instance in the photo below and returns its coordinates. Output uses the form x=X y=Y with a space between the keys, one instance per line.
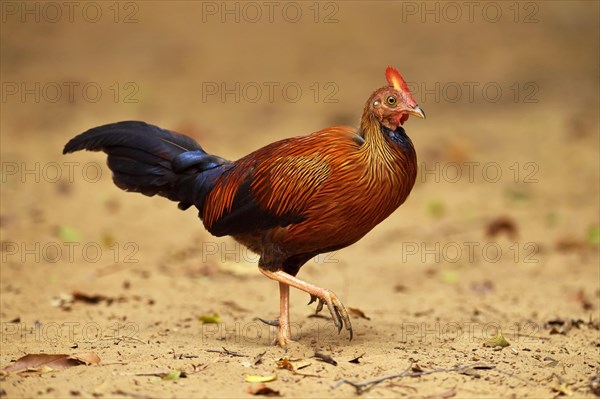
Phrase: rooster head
x=392 y=104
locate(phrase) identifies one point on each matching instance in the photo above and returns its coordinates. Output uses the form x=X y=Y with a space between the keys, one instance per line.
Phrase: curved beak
x=417 y=111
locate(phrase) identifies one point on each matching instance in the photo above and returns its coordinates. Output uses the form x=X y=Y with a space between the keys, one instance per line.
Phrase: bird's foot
x=284 y=336
x=338 y=311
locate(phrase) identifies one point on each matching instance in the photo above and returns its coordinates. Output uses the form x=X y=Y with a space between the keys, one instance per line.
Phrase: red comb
x=396 y=80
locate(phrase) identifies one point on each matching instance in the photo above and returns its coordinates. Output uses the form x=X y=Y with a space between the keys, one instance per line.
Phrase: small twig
x=120 y=392
x=443 y=395
x=513 y=375
x=196 y=368
x=226 y=351
x=134 y=339
x=366 y=385
x=153 y=373
x=110 y=269
x=113 y=363
x=258 y=358
x=519 y=335
x=186 y=356
x=119 y=339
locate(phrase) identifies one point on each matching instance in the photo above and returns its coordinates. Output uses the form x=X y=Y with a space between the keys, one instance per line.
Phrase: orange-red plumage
x=288 y=201
x=343 y=183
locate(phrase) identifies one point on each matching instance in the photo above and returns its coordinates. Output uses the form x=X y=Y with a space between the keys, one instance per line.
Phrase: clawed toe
x=319 y=304
x=274 y=323
x=283 y=338
x=338 y=311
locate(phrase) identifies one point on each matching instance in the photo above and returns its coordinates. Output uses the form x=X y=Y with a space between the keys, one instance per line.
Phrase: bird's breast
x=357 y=196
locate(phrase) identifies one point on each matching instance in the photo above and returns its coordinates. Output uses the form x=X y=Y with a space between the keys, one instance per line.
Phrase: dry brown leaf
x=358 y=313
x=570 y=244
x=234 y=306
x=63 y=301
x=415 y=367
x=87 y=298
x=87 y=358
x=262 y=390
x=251 y=363
x=287 y=364
x=482 y=287
x=356 y=360
x=550 y=362
x=471 y=372
x=66 y=301
x=586 y=304
x=502 y=224
x=560 y=326
x=325 y=358
x=258 y=358
x=400 y=288
x=595 y=384
x=47 y=362
x=562 y=389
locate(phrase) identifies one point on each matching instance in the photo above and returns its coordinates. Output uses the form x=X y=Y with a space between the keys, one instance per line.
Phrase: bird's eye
x=391 y=100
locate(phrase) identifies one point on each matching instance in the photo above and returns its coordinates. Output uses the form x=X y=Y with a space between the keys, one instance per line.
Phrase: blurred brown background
x=511 y=139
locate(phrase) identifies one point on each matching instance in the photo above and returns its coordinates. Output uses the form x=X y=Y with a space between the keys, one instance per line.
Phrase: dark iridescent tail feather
x=153 y=161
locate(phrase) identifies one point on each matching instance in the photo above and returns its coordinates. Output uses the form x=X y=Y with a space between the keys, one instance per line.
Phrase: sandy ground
x=500 y=233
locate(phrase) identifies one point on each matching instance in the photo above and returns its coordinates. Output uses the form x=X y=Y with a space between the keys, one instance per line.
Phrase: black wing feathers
x=247 y=216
